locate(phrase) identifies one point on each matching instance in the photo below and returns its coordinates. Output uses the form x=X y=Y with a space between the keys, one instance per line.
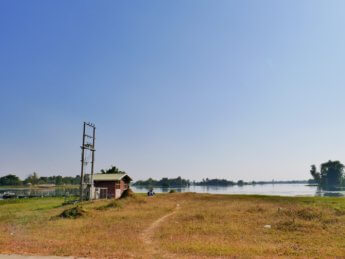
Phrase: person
x=150 y=193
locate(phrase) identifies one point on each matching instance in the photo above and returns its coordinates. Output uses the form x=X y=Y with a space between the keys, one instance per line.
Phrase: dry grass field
x=201 y=225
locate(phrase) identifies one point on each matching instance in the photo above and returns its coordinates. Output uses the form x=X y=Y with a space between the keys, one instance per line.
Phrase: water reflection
x=330 y=192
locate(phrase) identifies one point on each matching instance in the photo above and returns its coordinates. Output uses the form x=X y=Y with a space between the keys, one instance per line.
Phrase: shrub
x=111 y=205
x=287 y=225
x=127 y=193
x=73 y=213
x=308 y=214
x=302 y=213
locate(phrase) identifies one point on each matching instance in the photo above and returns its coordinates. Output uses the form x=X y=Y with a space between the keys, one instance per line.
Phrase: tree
x=240 y=182
x=112 y=170
x=10 y=179
x=164 y=182
x=32 y=178
x=316 y=175
x=43 y=180
x=59 y=180
x=76 y=179
x=332 y=173
x=213 y=182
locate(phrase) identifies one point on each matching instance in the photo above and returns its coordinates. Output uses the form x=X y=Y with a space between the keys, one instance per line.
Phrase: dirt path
x=147 y=237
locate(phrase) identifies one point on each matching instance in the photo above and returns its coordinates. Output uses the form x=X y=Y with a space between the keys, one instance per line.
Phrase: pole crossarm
x=88 y=148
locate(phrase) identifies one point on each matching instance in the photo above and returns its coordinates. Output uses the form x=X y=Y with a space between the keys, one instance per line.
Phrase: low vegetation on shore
x=204 y=226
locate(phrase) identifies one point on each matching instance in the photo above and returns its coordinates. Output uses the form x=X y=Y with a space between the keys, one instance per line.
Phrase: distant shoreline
x=220 y=185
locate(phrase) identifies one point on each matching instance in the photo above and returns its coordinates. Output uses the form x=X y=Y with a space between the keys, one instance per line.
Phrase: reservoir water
x=260 y=189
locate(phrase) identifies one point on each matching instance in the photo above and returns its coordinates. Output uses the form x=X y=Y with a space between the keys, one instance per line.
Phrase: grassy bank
x=204 y=226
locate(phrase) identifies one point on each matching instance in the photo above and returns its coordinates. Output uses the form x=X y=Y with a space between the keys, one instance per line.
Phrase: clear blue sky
x=251 y=90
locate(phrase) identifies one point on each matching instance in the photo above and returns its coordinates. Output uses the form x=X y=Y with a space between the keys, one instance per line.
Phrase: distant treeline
x=224 y=182
x=34 y=179
x=164 y=182
x=179 y=182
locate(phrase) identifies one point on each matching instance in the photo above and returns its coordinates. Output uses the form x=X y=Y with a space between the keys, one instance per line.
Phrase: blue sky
x=250 y=90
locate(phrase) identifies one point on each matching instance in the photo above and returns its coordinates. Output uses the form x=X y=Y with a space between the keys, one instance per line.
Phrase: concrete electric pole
x=88 y=143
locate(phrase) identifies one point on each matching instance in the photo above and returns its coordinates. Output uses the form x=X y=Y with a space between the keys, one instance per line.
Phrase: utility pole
x=92 y=162
x=88 y=143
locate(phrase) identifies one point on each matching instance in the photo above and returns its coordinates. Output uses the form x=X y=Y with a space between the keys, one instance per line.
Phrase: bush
x=288 y=225
x=111 y=205
x=127 y=193
x=172 y=191
x=307 y=214
x=73 y=213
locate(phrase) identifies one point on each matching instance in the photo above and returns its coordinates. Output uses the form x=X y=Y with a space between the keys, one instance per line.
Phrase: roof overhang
x=110 y=177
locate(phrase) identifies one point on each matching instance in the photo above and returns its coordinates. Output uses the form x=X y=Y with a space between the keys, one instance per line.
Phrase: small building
x=110 y=186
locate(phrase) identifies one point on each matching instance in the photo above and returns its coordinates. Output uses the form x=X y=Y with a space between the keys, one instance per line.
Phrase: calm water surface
x=264 y=189
x=261 y=189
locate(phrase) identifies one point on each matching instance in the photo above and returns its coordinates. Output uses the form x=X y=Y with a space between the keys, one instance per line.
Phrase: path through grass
x=205 y=226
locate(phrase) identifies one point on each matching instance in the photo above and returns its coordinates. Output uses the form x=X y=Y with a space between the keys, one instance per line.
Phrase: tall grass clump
x=128 y=194
x=73 y=213
x=113 y=204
